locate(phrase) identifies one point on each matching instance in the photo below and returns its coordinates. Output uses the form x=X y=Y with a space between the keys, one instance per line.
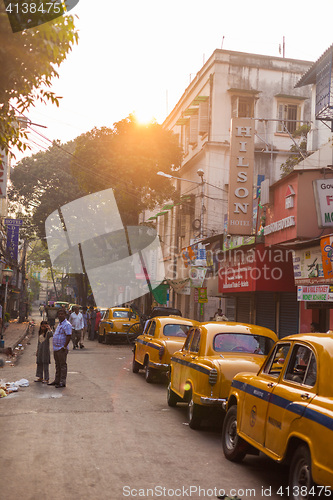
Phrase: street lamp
x=6 y=273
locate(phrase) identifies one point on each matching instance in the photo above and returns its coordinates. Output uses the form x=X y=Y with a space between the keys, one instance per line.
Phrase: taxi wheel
x=149 y=372
x=300 y=476
x=195 y=414
x=135 y=365
x=172 y=397
x=234 y=447
x=133 y=332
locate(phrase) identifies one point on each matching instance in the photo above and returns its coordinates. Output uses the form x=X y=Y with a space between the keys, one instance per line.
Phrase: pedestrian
x=85 y=322
x=92 y=322
x=76 y=320
x=219 y=316
x=43 y=358
x=61 y=339
x=41 y=309
x=97 y=322
x=315 y=328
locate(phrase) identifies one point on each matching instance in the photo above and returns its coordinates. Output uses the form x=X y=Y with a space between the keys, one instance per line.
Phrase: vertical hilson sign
x=240 y=207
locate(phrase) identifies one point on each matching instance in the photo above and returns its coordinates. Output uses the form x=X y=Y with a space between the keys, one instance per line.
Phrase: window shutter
x=203 y=117
x=280 y=127
x=194 y=129
x=235 y=107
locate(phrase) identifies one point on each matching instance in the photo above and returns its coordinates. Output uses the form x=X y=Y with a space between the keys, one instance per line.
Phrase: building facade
x=233 y=93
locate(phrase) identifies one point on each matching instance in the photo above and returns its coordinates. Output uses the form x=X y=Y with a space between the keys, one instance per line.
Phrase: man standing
x=76 y=320
x=61 y=339
x=219 y=316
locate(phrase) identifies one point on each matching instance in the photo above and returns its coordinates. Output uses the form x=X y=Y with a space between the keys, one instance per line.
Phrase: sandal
x=38 y=380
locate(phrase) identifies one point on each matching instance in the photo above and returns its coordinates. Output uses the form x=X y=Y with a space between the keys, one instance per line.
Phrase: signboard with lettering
x=308 y=266
x=323 y=192
x=240 y=205
x=315 y=293
x=13 y=230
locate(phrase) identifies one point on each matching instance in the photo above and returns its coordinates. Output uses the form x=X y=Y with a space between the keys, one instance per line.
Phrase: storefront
x=261 y=282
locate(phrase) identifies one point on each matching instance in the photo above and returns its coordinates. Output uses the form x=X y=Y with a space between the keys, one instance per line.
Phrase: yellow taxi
x=153 y=349
x=115 y=323
x=286 y=411
x=202 y=371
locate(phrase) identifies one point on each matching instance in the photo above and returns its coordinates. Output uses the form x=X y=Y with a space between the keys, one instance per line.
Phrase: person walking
x=85 y=322
x=76 y=320
x=97 y=322
x=92 y=322
x=43 y=358
x=61 y=339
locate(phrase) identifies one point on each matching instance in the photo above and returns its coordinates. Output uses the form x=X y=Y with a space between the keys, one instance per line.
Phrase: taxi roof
x=175 y=320
x=319 y=341
x=214 y=327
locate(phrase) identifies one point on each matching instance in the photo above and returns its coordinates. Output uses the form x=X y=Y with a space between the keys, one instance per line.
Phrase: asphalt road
x=110 y=435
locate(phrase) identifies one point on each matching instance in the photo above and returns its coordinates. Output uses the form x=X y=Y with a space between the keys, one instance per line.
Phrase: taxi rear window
x=240 y=342
x=120 y=314
x=173 y=330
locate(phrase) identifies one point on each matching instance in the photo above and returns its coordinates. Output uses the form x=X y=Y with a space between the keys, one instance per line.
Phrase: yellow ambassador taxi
x=153 y=349
x=202 y=371
x=286 y=411
x=115 y=323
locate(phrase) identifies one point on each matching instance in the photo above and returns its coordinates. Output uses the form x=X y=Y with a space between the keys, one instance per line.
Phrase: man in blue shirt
x=61 y=339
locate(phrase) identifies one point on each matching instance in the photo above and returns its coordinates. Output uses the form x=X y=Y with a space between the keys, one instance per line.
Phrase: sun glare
x=144 y=117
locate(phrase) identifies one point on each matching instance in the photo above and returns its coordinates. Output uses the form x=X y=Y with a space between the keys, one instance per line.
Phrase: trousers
x=60 y=359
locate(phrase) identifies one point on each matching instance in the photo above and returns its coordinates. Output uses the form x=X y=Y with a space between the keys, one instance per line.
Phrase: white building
x=229 y=85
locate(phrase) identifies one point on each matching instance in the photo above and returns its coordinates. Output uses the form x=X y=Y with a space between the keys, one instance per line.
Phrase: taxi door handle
x=270 y=384
x=305 y=395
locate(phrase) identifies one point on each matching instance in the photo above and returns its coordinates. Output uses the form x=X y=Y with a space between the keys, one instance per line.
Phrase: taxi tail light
x=212 y=377
x=161 y=351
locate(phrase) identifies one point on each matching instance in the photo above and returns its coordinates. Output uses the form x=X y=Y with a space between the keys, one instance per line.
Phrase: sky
x=139 y=57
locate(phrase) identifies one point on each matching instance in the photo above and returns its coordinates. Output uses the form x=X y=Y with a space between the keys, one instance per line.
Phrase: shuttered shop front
x=244 y=309
x=288 y=314
x=266 y=310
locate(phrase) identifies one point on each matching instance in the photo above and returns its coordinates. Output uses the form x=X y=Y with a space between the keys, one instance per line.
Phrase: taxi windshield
x=173 y=330
x=240 y=342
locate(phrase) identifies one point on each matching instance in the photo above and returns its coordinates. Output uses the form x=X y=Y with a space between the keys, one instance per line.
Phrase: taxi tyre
x=234 y=447
x=195 y=413
x=300 y=474
x=172 y=397
x=149 y=372
x=135 y=365
x=101 y=338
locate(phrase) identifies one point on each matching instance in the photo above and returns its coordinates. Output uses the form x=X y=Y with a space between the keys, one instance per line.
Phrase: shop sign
x=202 y=295
x=308 y=266
x=257 y=269
x=240 y=205
x=279 y=225
x=197 y=276
x=323 y=192
x=289 y=201
x=315 y=293
x=327 y=255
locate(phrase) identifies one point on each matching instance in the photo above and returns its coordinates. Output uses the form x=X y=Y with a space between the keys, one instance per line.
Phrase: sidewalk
x=15 y=333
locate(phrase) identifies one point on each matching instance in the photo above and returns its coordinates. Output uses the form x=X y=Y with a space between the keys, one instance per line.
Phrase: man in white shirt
x=76 y=320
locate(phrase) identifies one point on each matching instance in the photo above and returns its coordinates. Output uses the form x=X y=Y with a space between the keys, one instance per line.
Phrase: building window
x=242 y=107
x=289 y=114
